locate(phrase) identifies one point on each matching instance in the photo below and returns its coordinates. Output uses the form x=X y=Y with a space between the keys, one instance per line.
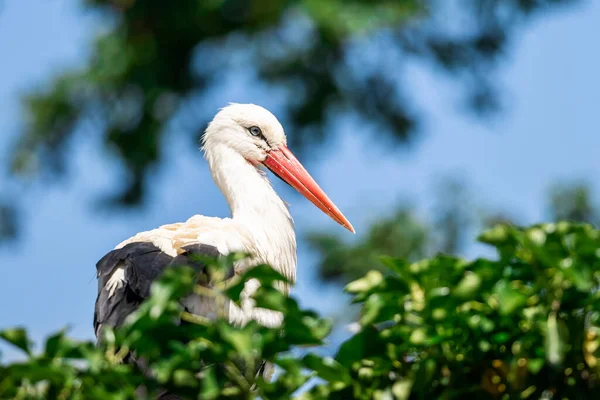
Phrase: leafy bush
x=522 y=326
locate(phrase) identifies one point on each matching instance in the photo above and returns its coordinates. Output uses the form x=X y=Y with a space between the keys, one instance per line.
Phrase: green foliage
x=402 y=235
x=522 y=326
x=158 y=61
x=187 y=354
x=455 y=213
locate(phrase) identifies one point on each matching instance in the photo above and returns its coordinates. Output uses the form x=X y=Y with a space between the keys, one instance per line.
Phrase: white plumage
x=240 y=139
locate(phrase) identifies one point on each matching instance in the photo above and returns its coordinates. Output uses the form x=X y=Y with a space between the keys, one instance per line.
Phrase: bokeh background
x=424 y=120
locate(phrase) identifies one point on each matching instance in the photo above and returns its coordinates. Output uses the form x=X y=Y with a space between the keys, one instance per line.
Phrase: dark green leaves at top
x=155 y=59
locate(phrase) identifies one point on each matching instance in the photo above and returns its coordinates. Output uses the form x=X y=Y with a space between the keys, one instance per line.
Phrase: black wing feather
x=143 y=262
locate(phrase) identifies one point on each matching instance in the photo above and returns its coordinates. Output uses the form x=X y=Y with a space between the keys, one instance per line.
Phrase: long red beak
x=285 y=165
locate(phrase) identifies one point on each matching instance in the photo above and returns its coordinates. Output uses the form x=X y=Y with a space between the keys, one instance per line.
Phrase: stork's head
x=257 y=135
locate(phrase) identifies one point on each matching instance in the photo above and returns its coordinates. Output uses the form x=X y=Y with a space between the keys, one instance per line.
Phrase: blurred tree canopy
x=404 y=235
x=573 y=202
x=454 y=216
x=158 y=60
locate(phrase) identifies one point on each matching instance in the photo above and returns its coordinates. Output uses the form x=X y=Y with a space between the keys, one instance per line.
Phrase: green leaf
x=266 y=275
x=306 y=329
x=468 y=285
x=270 y=298
x=535 y=365
x=402 y=389
x=210 y=386
x=368 y=282
x=509 y=299
x=328 y=369
x=18 y=338
x=399 y=266
x=240 y=340
x=371 y=309
x=501 y=337
x=362 y=345
x=59 y=345
x=182 y=377
x=498 y=235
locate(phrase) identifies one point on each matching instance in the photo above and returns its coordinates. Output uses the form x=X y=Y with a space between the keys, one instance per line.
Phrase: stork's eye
x=255 y=131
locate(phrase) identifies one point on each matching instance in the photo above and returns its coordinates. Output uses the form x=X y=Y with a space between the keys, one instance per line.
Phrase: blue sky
x=547 y=132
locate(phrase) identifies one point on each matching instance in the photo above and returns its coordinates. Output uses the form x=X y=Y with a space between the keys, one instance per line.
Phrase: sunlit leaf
x=18 y=338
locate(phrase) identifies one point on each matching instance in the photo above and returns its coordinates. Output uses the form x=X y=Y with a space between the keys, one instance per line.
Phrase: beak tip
x=285 y=165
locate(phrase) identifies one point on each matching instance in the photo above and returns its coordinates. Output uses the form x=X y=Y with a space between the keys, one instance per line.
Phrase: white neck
x=255 y=205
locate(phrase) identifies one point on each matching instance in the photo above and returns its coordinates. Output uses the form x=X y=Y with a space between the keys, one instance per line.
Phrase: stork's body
x=237 y=142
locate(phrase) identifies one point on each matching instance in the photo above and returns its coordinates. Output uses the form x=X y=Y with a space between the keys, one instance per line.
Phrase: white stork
x=237 y=143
